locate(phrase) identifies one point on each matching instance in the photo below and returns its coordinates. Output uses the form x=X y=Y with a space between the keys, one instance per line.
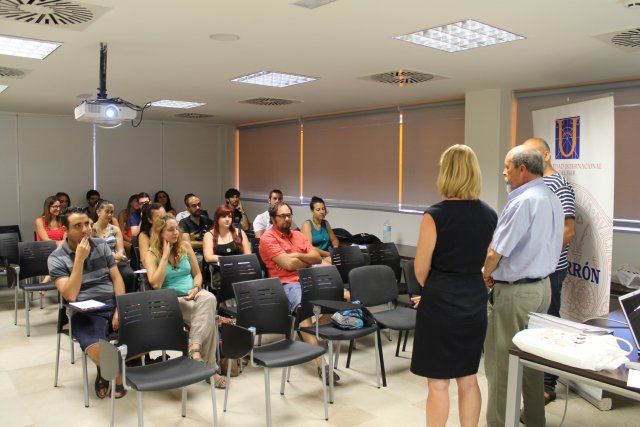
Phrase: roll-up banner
x=581 y=137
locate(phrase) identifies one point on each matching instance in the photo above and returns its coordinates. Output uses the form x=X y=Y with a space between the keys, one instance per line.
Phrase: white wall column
x=487 y=130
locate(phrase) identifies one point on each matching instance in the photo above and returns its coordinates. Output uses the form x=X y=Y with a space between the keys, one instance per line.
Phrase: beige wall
x=45 y=154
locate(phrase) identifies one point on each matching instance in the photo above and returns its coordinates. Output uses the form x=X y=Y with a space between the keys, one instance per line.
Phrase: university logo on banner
x=568 y=138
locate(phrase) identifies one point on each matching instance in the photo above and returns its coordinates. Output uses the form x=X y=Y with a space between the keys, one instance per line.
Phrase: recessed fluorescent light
x=273 y=78
x=26 y=48
x=462 y=35
x=176 y=104
x=312 y=4
x=3 y=87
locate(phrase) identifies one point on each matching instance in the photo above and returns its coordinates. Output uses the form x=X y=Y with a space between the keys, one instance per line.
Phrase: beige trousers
x=508 y=315
x=198 y=314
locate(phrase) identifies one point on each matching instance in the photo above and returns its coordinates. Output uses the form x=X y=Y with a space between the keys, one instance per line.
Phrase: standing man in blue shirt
x=561 y=188
x=525 y=249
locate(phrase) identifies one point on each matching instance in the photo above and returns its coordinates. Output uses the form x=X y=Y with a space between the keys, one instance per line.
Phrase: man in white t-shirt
x=263 y=222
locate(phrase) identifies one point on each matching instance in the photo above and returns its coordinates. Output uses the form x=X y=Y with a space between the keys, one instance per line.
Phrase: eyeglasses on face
x=285 y=216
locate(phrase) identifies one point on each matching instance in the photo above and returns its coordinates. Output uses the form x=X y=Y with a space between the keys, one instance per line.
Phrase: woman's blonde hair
x=459 y=174
x=178 y=250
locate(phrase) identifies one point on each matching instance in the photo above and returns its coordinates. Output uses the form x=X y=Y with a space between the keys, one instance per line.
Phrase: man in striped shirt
x=561 y=188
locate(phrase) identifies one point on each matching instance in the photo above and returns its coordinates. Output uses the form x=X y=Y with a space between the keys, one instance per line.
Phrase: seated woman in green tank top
x=318 y=231
x=172 y=264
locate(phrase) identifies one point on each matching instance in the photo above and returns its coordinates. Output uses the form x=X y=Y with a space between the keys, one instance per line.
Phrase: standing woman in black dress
x=452 y=313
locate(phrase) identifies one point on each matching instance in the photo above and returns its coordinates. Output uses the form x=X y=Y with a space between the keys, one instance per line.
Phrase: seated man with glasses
x=284 y=252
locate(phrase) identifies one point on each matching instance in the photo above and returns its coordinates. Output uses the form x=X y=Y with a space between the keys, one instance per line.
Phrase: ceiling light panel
x=273 y=79
x=26 y=48
x=462 y=35
x=168 y=103
x=3 y=87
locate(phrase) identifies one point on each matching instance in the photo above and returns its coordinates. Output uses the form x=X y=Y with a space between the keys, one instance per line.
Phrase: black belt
x=519 y=281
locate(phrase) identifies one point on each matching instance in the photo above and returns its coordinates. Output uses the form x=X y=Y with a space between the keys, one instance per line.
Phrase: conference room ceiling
x=163 y=50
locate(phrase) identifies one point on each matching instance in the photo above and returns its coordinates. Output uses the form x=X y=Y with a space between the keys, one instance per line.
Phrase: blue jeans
x=556 y=278
x=293 y=291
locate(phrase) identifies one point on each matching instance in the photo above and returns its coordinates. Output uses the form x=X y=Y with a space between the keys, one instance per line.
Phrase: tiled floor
x=28 y=398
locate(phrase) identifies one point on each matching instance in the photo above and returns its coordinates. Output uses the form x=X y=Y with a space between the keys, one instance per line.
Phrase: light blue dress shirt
x=529 y=233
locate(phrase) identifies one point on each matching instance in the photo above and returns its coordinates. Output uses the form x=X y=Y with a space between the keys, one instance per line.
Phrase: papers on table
x=89 y=304
x=542 y=320
x=634 y=378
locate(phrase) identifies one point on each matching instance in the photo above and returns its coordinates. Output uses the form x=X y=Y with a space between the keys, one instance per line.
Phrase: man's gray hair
x=531 y=159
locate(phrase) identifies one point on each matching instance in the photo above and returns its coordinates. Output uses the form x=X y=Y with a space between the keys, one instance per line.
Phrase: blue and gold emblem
x=568 y=138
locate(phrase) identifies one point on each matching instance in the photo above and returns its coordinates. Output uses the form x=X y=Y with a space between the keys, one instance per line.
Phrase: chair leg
x=335 y=362
x=404 y=346
x=382 y=371
x=288 y=373
x=15 y=305
x=267 y=395
x=324 y=391
x=214 y=406
x=283 y=380
x=164 y=355
x=55 y=381
x=41 y=306
x=85 y=379
x=226 y=387
x=71 y=346
x=26 y=312
x=377 y=356
x=330 y=371
x=184 y=401
x=139 y=406
x=113 y=402
x=349 y=353
x=399 y=342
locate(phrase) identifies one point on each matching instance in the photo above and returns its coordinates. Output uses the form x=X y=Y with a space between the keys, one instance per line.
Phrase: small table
x=406 y=252
x=611 y=381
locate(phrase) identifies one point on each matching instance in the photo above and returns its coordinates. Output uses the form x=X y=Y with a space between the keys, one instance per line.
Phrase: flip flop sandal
x=121 y=391
x=220 y=383
x=193 y=351
x=101 y=386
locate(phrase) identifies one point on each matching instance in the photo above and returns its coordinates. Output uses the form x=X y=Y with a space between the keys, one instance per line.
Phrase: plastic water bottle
x=386 y=232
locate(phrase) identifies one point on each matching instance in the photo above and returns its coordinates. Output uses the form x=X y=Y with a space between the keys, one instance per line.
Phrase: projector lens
x=111 y=112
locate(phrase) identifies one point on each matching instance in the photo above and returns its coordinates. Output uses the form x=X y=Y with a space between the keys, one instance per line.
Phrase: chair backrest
x=263 y=304
x=255 y=248
x=136 y=262
x=33 y=258
x=318 y=283
x=385 y=254
x=236 y=268
x=9 y=239
x=373 y=285
x=150 y=321
x=346 y=258
x=410 y=278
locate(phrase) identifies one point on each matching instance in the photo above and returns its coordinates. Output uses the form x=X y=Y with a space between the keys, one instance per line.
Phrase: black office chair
x=33 y=263
x=376 y=285
x=413 y=287
x=263 y=309
x=152 y=321
x=323 y=293
x=9 y=255
x=136 y=265
x=255 y=248
x=387 y=254
x=234 y=269
x=346 y=258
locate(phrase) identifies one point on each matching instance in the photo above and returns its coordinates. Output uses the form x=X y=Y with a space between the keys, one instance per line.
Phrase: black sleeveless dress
x=451 y=321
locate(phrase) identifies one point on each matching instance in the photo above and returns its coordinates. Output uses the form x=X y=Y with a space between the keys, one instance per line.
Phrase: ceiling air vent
x=12 y=72
x=269 y=102
x=51 y=13
x=194 y=116
x=627 y=40
x=402 y=77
